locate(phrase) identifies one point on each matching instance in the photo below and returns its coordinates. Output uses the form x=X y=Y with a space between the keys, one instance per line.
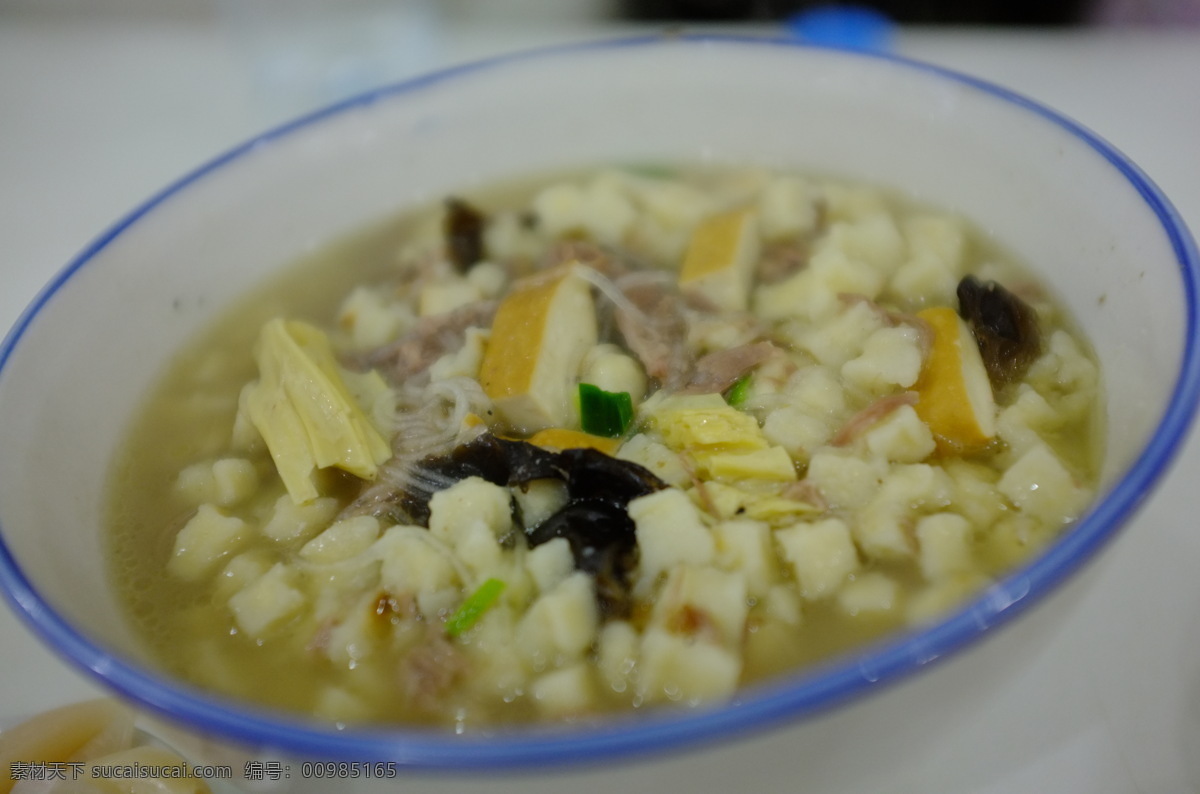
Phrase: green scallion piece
x=739 y=391
x=470 y=610
x=604 y=413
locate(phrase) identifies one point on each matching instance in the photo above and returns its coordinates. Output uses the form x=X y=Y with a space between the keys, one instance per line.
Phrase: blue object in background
x=849 y=27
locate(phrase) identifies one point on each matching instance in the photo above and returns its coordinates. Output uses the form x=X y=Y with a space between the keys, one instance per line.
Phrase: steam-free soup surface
x=599 y=442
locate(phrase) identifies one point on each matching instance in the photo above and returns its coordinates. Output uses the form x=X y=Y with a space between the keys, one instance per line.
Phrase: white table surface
x=96 y=115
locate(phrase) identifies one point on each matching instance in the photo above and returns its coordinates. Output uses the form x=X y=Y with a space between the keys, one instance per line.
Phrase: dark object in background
x=925 y=12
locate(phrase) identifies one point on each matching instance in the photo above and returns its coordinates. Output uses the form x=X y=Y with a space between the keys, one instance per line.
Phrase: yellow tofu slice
x=955 y=395
x=539 y=338
x=561 y=438
x=720 y=259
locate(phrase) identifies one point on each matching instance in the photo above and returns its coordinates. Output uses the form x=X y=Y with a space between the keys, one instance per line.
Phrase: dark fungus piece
x=1005 y=328
x=603 y=543
x=464 y=233
x=594 y=521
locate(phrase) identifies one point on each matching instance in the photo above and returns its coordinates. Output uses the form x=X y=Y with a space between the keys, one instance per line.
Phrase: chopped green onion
x=470 y=610
x=604 y=413
x=739 y=391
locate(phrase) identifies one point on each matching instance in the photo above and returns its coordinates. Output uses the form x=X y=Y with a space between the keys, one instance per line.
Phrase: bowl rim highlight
x=786 y=698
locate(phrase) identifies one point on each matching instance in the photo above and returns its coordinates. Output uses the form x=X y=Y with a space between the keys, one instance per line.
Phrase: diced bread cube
x=845 y=480
x=745 y=546
x=1041 y=487
x=703 y=602
x=822 y=555
x=550 y=563
x=290 y=521
x=944 y=545
x=787 y=208
x=207 y=538
x=890 y=357
x=565 y=692
x=342 y=540
x=413 y=562
x=669 y=532
x=234 y=480
x=473 y=500
x=617 y=654
x=561 y=624
x=901 y=437
x=841 y=338
x=674 y=668
x=656 y=458
x=268 y=601
x=539 y=499
x=870 y=593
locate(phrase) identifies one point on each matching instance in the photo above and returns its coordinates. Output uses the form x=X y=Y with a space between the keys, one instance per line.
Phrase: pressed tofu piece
x=675 y=668
x=206 y=539
x=539 y=337
x=955 y=394
x=705 y=421
x=721 y=258
x=267 y=602
x=758 y=500
x=560 y=438
x=1041 y=487
x=772 y=463
x=290 y=521
x=305 y=406
x=745 y=546
x=669 y=531
x=565 y=692
x=944 y=545
x=703 y=602
x=822 y=555
x=561 y=624
x=870 y=593
x=342 y=540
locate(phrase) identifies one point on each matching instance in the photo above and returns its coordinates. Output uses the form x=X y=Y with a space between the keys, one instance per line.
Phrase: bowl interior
x=77 y=367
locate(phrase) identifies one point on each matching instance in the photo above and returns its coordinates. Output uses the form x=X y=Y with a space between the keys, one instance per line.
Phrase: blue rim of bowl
x=756 y=707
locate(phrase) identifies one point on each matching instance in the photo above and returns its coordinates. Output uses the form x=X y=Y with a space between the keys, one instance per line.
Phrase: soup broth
x=597 y=442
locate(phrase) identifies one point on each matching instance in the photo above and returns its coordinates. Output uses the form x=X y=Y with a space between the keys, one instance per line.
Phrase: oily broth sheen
x=188 y=628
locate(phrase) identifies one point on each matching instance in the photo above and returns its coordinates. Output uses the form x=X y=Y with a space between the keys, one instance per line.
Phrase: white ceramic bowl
x=78 y=363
